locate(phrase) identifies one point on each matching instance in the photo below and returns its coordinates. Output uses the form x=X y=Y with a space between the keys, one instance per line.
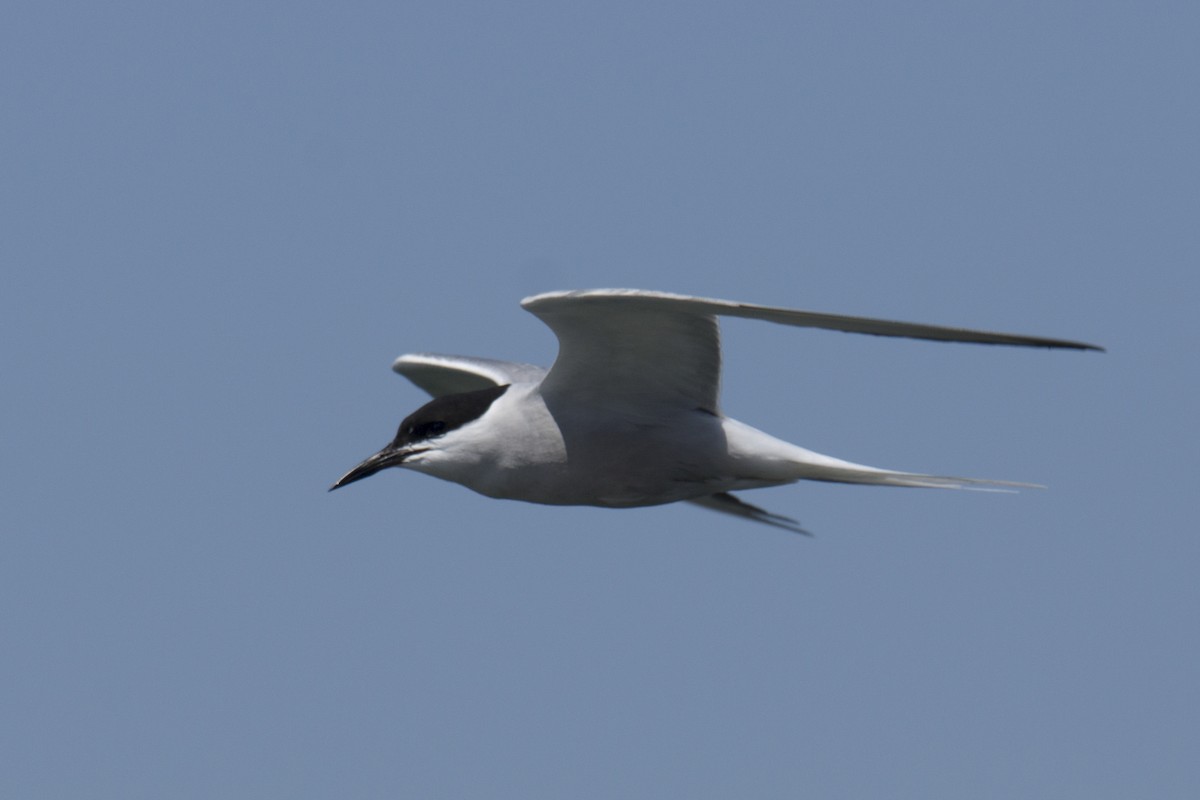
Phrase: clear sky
x=222 y=221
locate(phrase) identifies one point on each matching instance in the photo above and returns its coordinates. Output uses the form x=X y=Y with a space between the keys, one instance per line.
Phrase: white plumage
x=629 y=413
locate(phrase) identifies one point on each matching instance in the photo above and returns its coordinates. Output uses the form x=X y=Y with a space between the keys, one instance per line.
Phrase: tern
x=628 y=414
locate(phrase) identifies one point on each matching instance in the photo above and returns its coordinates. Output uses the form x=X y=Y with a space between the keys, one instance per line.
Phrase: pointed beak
x=387 y=457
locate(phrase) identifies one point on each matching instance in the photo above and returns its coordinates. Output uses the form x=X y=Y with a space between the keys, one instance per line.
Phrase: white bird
x=628 y=415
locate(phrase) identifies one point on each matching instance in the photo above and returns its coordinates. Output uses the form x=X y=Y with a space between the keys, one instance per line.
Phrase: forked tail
x=762 y=456
x=858 y=473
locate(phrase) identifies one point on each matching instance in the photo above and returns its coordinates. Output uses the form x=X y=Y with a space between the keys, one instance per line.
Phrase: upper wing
x=638 y=348
x=441 y=375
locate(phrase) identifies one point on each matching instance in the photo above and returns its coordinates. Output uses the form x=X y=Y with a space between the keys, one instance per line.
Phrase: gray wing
x=442 y=374
x=728 y=504
x=625 y=347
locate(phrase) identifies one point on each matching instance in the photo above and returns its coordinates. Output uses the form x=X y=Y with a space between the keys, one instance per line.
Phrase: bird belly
x=606 y=460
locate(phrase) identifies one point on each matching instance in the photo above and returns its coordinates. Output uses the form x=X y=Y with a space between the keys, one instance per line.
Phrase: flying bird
x=628 y=414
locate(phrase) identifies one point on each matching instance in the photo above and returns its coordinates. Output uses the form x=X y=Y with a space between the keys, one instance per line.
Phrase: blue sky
x=222 y=221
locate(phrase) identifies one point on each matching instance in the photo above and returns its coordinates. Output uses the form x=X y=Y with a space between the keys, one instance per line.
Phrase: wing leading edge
x=632 y=348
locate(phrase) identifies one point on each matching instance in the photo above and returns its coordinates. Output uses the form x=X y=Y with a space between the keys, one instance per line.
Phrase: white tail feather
x=882 y=477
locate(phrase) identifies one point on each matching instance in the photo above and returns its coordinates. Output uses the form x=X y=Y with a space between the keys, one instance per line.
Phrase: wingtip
x=1071 y=345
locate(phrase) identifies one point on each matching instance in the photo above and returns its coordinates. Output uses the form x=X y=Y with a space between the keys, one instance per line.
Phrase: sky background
x=222 y=221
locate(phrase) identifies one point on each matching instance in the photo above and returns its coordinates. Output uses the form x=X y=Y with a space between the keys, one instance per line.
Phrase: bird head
x=428 y=430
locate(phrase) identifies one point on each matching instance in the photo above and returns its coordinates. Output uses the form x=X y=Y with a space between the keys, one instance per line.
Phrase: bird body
x=628 y=415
